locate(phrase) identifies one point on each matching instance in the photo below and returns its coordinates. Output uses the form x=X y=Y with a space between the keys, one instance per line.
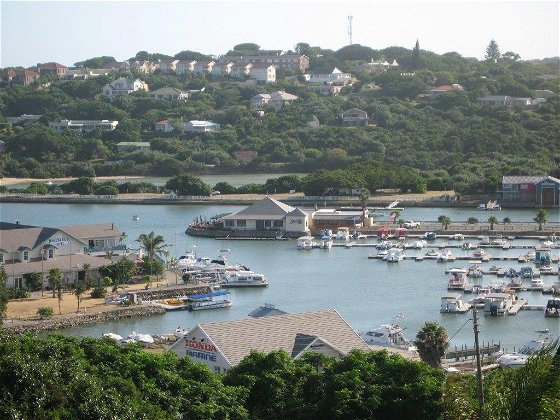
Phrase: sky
x=70 y=31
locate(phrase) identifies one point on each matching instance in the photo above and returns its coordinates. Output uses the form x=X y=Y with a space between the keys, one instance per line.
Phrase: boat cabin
x=498 y=303
x=305 y=242
x=552 y=308
x=453 y=303
x=394 y=255
x=457 y=279
x=388 y=335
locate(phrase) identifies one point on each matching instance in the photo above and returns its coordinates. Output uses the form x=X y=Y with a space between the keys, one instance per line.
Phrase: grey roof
x=267 y=207
x=495 y=98
x=521 y=179
x=99 y=230
x=266 y=310
x=169 y=91
x=29 y=237
x=301 y=342
x=236 y=339
x=297 y=212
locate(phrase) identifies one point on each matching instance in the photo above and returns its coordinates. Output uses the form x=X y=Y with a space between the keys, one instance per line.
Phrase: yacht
x=419 y=244
x=135 y=337
x=552 y=309
x=499 y=241
x=343 y=233
x=479 y=252
x=326 y=242
x=446 y=256
x=490 y=206
x=212 y=300
x=457 y=237
x=468 y=245
x=537 y=284
x=394 y=255
x=430 y=236
x=520 y=358
x=388 y=335
x=243 y=279
x=453 y=303
x=475 y=271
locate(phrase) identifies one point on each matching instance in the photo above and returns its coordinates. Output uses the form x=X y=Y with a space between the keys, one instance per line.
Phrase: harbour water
x=367 y=293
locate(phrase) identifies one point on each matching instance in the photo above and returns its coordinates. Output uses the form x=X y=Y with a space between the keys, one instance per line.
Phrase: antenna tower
x=350 y=28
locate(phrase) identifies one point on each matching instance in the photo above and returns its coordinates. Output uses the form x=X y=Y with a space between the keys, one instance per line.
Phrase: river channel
x=366 y=292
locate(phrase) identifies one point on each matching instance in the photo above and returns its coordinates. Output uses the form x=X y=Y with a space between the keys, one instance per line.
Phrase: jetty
x=464 y=352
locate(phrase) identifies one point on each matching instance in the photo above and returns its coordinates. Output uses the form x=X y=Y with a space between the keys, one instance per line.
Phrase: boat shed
x=221 y=345
x=540 y=190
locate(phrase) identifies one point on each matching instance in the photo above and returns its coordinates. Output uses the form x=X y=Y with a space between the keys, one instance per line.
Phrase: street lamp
x=42 y=271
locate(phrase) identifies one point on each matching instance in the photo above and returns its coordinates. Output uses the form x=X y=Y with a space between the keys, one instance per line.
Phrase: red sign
x=197 y=345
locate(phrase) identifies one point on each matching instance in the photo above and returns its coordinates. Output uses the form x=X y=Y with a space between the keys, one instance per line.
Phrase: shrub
x=18 y=294
x=98 y=292
x=472 y=220
x=45 y=312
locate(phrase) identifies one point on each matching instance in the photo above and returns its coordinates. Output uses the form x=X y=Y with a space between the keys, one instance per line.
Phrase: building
x=123 y=86
x=221 y=345
x=275 y=100
x=329 y=218
x=268 y=214
x=245 y=155
x=541 y=190
x=202 y=126
x=168 y=66
x=336 y=77
x=438 y=90
x=378 y=66
x=164 y=126
x=83 y=126
x=503 y=100
x=32 y=249
x=25 y=119
x=241 y=70
x=170 y=93
x=327 y=90
x=263 y=73
x=131 y=146
x=222 y=69
x=355 y=117
x=82 y=73
x=19 y=77
x=267 y=309
x=203 y=67
x=280 y=61
x=52 y=69
x=185 y=67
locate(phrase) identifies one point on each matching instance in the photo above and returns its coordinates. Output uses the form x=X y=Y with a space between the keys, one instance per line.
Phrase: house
x=170 y=93
x=541 y=190
x=327 y=90
x=6 y=77
x=377 y=66
x=241 y=70
x=164 y=126
x=131 y=146
x=26 y=119
x=355 y=117
x=82 y=73
x=496 y=100
x=20 y=77
x=52 y=69
x=222 y=69
x=83 y=126
x=280 y=61
x=222 y=345
x=123 y=86
x=268 y=214
x=32 y=249
x=438 y=90
x=168 y=66
x=274 y=100
x=245 y=155
x=263 y=73
x=336 y=77
x=185 y=67
x=521 y=103
x=201 y=126
x=203 y=67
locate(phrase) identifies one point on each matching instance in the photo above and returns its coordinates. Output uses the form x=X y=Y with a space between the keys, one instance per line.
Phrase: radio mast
x=350 y=28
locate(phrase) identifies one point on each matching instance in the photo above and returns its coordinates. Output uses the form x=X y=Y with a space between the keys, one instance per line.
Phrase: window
x=241 y=223
x=1 y=258
x=18 y=283
x=278 y=223
x=229 y=223
x=25 y=255
x=267 y=223
x=51 y=253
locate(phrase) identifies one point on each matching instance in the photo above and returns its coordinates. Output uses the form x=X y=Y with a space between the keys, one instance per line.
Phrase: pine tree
x=415 y=60
x=493 y=51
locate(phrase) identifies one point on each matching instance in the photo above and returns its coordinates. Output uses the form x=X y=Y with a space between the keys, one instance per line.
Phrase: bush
x=98 y=292
x=45 y=312
x=18 y=294
x=472 y=220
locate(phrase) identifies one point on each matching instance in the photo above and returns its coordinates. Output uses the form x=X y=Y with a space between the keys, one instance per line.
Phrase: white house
x=336 y=77
x=123 y=86
x=201 y=126
x=222 y=345
x=170 y=93
x=164 y=126
x=83 y=126
x=263 y=73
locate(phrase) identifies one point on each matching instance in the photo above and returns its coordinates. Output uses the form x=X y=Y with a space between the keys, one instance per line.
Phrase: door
x=260 y=224
x=548 y=197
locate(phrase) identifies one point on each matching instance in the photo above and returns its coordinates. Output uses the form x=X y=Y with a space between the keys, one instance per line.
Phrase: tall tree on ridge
x=493 y=51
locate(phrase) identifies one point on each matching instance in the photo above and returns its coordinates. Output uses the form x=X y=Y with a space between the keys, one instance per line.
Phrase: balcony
x=105 y=248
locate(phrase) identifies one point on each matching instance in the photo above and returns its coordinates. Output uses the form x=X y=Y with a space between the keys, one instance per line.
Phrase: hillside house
x=83 y=126
x=263 y=73
x=203 y=67
x=336 y=77
x=355 y=117
x=197 y=126
x=167 y=66
x=280 y=61
x=123 y=86
x=54 y=69
x=185 y=67
x=275 y=100
x=170 y=94
x=163 y=126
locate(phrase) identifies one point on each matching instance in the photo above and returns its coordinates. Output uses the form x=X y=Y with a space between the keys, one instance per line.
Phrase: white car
x=411 y=224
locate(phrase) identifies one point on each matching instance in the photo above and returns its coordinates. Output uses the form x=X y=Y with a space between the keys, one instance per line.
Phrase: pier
x=464 y=352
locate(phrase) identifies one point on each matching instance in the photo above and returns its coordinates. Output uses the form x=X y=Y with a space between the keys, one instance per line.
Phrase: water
x=365 y=292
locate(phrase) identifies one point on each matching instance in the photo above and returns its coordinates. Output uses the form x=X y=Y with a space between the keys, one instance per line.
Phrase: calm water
x=365 y=292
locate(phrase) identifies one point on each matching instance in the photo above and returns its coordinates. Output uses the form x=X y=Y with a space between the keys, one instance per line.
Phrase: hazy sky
x=71 y=31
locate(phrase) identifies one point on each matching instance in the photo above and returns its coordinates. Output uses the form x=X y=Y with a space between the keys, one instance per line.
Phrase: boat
x=243 y=279
x=212 y=300
x=520 y=358
x=546 y=268
x=457 y=279
x=515 y=284
x=479 y=252
x=453 y=303
x=135 y=218
x=343 y=233
x=394 y=255
x=498 y=242
x=382 y=253
x=112 y=336
x=510 y=272
x=432 y=253
x=552 y=309
x=446 y=256
x=490 y=206
x=173 y=304
x=385 y=245
x=457 y=237
x=305 y=242
x=527 y=272
x=180 y=332
x=485 y=240
x=468 y=245
x=326 y=242
x=475 y=271
x=140 y=338
x=497 y=304
x=388 y=335
x=419 y=244
x=537 y=284
x=430 y=236
x=542 y=256
x=497 y=287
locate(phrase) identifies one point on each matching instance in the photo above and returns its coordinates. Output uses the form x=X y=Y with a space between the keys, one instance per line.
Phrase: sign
x=58 y=240
x=200 y=350
x=198 y=345
x=548 y=183
x=295 y=221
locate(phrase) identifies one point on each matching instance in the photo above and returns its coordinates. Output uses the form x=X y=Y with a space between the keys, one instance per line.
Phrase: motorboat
x=180 y=332
x=490 y=206
x=520 y=358
x=468 y=245
x=457 y=279
x=112 y=336
x=542 y=256
x=382 y=253
x=388 y=335
x=446 y=256
x=497 y=287
x=326 y=242
x=432 y=253
x=545 y=268
x=141 y=338
x=479 y=252
x=212 y=300
x=511 y=272
x=484 y=240
x=305 y=242
x=527 y=272
x=419 y=244
x=385 y=245
x=475 y=271
x=537 y=284
x=515 y=284
x=457 y=237
x=343 y=233
x=497 y=304
x=243 y=279
x=172 y=304
x=453 y=303
x=498 y=242
x=430 y=236
x=552 y=309
x=135 y=218
x=394 y=255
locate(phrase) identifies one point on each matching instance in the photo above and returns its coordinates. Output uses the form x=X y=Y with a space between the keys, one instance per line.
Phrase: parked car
x=411 y=224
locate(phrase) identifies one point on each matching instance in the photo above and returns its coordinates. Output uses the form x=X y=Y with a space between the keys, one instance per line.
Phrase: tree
x=492 y=51
x=79 y=290
x=188 y=185
x=33 y=281
x=364 y=197
x=506 y=220
x=541 y=218
x=415 y=59
x=151 y=243
x=445 y=221
x=431 y=342
x=55 y=279
x=86 y=268
x=45 y=312
x=493 y=220
x=472 y=220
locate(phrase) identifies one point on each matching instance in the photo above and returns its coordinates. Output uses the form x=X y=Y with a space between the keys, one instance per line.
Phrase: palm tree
x=445 y=221
x=55 y=279
x=86 y=268
x=153 y=244
x=493 y=220
x=541 y=218
x=79 y=291
x=431 y=342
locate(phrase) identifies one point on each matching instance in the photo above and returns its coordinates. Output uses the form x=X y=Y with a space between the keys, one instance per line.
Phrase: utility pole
x=478 y=366
x=350 y=28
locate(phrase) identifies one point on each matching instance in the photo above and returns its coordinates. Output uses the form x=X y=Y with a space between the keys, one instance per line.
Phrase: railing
x=105 y=248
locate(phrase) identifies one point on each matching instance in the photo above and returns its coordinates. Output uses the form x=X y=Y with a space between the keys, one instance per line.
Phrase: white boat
x=388 y=335
x=498 y=304
x=382 y=253
x=180 y=332
x=141 y=338
x=468 y=245
x=212 y=300
x=453 y=303
x=457 y=237
x=394 y=255
x=326 y=242
x=475 y=271
x=419 y=244
x=537 y=283
x=343 y=233
x=490 y=205
x=520 y=358
x=485 y=240
x=305 y=242
x=112 y=336
x=446 y=256
x=457 y=279
x=479 y=252
x=432 y=253
x=135 y=218
x=498 y=241
x=243 y=279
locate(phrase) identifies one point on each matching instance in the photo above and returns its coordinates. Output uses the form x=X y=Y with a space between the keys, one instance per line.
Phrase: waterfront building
x=221 y=345
x=28 y=249
x=540 y=190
